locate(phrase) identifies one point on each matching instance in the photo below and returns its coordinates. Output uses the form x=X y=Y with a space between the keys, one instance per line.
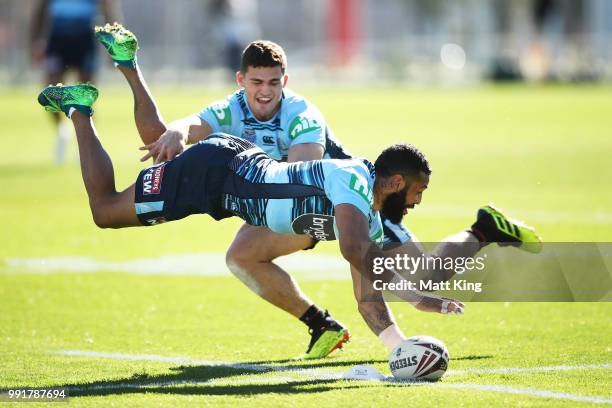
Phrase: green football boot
x=120 y=43
x=492 y=225
x=331 y=336
x=67 y=99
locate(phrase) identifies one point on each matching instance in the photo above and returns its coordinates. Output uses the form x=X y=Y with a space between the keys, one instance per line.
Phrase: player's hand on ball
x=169 y=145
x=440 y=305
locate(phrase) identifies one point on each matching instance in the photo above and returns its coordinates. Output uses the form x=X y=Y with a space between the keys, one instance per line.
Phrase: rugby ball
x=421 y=358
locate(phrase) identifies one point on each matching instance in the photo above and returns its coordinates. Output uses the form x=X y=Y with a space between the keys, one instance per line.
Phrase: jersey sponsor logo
x=222 y=113
x=268 y=140
x=152 y=180
x=300 y=125
x=360 y=186
x=319 y=227
x=249 y=134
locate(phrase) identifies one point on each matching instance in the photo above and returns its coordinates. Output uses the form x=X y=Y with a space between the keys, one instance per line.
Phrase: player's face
x=396 y=204
x=264 y=89
x=414 y=195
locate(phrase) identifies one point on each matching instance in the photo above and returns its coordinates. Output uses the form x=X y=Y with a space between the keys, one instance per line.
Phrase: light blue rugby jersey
x=299 y=198
x=68 y=16
x=297 y=121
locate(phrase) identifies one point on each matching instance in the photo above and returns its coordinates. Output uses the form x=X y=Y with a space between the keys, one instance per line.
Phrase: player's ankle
x=313 y=317
x=479 y=235
x=79 y=113
x=129 y=66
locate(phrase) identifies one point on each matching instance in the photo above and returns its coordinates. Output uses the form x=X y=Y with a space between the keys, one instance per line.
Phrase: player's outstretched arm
x=179 y=133
x=354 y=245
x=357 y=248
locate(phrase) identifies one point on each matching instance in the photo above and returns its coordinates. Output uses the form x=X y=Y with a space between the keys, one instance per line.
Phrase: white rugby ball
x=419 y=358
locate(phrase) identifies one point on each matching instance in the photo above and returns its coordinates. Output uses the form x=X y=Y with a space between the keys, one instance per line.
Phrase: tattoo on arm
x=377 y=315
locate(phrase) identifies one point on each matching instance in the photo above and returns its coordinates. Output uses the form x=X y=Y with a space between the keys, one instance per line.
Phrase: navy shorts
x=65 y=51
x=192 y=183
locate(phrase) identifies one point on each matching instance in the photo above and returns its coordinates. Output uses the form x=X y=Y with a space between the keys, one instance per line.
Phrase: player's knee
x=244 y=252
x=235 y=259
x=102 y=217
x=101 y=220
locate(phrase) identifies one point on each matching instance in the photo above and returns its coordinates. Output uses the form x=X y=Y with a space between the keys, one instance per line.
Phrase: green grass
x=541 y=151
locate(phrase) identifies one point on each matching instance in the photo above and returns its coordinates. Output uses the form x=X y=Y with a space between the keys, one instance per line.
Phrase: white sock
x=61 y=144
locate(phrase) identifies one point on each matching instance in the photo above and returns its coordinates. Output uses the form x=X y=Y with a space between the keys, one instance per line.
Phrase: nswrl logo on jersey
x=249 y=134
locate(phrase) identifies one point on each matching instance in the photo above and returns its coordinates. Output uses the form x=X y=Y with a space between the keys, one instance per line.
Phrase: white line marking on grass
x=514 y=370
x=306 y=265
x=264 y=367
x=317 y=374
x=532 y=392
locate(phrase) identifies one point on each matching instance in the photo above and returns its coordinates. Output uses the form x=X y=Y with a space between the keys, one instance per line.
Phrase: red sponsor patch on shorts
x=152 y=180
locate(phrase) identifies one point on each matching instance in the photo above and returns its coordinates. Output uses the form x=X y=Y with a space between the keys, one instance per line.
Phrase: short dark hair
x=401 y=158
x=263 y=53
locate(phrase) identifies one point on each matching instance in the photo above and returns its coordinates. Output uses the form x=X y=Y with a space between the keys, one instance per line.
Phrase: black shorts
x=190 y=184
x=65 y=51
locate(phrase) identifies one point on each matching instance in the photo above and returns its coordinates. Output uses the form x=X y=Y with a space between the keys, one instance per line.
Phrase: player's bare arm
x=305 y=152
x=179 y=133
x=193 y=129
x=354 y=245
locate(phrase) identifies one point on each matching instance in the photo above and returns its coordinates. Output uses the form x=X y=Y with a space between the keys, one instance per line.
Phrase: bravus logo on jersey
x=222 y=113
x=300 y=125
x=319 y=227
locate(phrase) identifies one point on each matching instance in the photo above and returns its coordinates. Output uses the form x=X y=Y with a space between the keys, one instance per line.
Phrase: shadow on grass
x=474 y=357
x=208 y=379
x=328 y=362
x=293 y=387
x=203 y=380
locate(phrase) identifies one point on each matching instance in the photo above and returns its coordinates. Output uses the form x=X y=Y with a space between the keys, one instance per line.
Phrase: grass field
x=542 y=152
